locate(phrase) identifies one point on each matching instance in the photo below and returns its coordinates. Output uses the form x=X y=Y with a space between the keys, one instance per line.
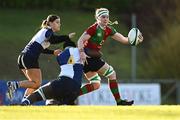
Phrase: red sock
x=86 y=89
x=113 y=85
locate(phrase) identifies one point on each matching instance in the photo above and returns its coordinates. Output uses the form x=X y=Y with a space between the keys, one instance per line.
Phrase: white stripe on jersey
x=40 y=38
x=75 y=53
x=67 y=69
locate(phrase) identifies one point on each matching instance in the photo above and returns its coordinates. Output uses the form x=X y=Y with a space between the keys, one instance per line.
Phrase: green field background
x=89 y=112
x=158 y=55
x=17 y=27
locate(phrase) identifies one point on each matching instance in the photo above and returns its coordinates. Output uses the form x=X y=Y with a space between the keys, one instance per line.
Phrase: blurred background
x=156 y=60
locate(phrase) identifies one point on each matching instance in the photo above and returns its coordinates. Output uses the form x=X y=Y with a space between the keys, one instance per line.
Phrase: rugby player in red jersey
x=92 y=40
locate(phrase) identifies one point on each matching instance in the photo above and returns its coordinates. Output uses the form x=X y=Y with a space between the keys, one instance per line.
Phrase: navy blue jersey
x=39 y=42
x=69 y=62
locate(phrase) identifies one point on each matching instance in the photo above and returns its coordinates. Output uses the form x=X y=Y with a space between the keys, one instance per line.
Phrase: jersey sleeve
x=113 y=30
x=48 y=33
x=91 y=30
x=48 y=51
x=55 y=39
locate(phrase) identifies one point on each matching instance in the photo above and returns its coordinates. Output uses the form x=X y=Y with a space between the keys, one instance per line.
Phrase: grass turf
x=90 y=112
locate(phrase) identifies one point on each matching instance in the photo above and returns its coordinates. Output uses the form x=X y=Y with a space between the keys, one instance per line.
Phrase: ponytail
x=112 y=23
x=44 y=24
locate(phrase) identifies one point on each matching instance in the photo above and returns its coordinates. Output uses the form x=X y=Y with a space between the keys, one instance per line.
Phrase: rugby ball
x=133 y=36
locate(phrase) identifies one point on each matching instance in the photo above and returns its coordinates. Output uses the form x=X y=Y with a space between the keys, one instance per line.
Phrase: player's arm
x=82 y=40
x=120 y=38
x=48 y=51
x=55 y=39
x=54 y=52
x=84 y=37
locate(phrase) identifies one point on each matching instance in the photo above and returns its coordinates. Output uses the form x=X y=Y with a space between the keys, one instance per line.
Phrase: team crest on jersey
x=71 y=60
x=99 y=34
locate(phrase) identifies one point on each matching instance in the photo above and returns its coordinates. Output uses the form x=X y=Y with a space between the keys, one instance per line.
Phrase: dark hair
x=50 y=18
x=69 y=43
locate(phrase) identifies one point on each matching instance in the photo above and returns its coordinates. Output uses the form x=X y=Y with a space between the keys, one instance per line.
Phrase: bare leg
x=34 y=80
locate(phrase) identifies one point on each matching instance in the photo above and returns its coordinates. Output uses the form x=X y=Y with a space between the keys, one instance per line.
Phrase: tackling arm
x=55 y=39
x=54 y=52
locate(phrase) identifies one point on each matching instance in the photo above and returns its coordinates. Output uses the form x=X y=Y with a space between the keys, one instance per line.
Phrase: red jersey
x=98 y=36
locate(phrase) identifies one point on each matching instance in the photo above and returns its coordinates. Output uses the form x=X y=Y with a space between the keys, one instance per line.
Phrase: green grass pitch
x=164 y=112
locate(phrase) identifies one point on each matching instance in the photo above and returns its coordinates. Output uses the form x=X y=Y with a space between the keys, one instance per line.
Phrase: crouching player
x=66 y=88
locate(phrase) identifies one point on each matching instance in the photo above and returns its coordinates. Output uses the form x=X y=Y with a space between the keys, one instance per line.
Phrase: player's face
x=103 y=20
x=55 y=25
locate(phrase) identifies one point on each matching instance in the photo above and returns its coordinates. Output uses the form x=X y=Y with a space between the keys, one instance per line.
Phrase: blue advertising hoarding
x=18 y=95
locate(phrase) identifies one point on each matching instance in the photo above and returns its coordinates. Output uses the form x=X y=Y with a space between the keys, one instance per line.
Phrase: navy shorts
x=93 y=64
x=26 y=61
x=65 y=90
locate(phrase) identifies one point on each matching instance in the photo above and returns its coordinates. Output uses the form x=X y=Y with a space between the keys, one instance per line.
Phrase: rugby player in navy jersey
x=66 y=87
x=28 y=58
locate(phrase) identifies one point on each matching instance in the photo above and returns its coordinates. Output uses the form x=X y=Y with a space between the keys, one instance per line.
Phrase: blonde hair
x=104 y=11
x=50 y=18
x=101 y=11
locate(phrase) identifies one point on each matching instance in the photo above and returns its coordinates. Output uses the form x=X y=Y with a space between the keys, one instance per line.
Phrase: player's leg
x=91 y=66
x=31 y=70
x=28 y=91
x=63 y=91
x=13 y=85
x=109 y=72
x=94 y=83
x=67 y=91
x=33 y=82
x=30 y=67
x=42 y=93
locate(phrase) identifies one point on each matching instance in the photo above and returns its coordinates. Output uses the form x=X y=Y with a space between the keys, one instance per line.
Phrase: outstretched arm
x=120 y=38
x=54 y=52
x=55 y=39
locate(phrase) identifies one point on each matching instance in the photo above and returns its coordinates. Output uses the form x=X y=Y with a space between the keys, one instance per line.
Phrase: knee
x=112 y=76
x=110 y=73
x=95 y=81
x=36 y=85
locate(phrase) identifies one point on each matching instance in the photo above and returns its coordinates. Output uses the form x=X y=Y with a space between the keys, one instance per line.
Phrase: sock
x=113 y=85
x=86 y=89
